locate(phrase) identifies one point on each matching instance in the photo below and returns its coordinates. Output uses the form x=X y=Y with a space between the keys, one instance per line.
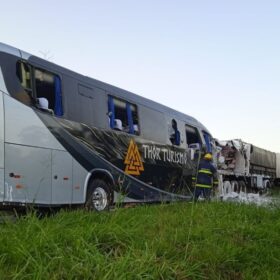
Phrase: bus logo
x=133 y=160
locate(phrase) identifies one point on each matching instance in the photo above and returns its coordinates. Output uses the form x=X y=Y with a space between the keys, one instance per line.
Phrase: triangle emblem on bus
x=133 y=160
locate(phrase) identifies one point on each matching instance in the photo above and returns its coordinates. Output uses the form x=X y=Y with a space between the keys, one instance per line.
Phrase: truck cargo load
x=262 y=162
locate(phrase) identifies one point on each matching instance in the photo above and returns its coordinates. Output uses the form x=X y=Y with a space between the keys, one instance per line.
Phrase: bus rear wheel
x=99 y=196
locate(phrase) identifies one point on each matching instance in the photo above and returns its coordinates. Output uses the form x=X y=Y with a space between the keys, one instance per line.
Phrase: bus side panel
x=278 y=165
x=28 y=153
x=61 y=177
x=23 y=126
x=1 y=147
x=79 y=177
x=27 y=174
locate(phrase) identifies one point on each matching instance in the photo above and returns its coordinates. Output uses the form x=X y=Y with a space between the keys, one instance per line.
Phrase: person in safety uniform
x=206 y=177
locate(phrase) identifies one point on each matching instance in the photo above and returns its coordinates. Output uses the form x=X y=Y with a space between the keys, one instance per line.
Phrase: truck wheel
x=226 y=187
x=235 y=186
x=99 y=196
x=242 y=186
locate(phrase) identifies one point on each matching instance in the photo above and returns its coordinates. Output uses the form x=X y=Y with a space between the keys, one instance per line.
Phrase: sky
x=217 y=61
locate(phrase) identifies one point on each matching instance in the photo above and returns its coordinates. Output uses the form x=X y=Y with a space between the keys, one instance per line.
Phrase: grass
x=217 y=241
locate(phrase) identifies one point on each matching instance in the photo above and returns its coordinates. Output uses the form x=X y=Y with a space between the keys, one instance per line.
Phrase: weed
x=174 y=241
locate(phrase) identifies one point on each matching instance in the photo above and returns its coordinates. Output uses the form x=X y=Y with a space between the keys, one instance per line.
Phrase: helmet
x=208 y=156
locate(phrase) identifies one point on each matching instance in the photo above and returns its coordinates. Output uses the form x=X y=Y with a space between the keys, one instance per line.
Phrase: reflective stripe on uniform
x=205 y=171
x=216 y=182
x=193 y=178
x=203 y=186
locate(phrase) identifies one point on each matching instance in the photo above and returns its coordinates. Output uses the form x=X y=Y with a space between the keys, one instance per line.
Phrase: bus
x=67 y=139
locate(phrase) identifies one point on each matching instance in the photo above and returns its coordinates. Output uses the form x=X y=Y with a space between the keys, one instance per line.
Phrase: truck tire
x=242 y=186
x=235 y=186
x=226 y=187
x=99 y=196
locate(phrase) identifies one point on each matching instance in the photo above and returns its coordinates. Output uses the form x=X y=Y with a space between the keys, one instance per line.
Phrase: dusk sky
x=217 y=61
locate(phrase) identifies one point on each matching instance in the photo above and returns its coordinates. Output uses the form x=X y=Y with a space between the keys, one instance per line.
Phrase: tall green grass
x=175 y=241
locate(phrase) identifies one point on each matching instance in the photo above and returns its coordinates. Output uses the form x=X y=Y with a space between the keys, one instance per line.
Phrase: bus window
x=123 y=116
x=175 y=137
x=207 y=139
x=48 y=91
x=132 y=118
x=24 y=75
x=192 y=135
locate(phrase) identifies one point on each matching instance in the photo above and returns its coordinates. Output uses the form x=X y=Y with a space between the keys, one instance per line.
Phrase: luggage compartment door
x=27 y=174
x=61 y=177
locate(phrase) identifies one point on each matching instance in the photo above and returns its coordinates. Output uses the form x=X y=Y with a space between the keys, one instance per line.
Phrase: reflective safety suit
x=205 y=179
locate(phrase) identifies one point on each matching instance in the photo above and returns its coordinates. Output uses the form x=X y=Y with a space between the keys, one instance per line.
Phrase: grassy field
x=176 y=241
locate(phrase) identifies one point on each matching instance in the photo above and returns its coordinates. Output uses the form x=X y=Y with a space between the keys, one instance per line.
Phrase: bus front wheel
x=99 y=196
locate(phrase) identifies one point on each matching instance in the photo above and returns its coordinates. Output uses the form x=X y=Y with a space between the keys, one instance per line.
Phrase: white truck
x=245 y=167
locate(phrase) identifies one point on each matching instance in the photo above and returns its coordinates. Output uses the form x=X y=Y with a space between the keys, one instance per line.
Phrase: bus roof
x=110 y=88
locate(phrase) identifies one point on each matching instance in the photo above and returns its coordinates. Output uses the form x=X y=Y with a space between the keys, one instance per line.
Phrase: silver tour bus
x=67 y=139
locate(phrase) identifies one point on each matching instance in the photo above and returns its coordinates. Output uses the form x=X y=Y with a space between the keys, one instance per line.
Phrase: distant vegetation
x=175 y=241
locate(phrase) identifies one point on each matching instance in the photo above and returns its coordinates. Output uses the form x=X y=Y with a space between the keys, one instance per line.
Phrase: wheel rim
x=99 y=199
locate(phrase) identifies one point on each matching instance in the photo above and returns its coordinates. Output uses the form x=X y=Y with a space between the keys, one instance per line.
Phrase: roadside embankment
x=176 y=241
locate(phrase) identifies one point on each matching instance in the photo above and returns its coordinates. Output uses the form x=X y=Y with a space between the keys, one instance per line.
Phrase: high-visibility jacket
x=206 y=175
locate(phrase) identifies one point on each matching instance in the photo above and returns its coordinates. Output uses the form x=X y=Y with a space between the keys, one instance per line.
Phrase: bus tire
x=267 y=184
x=99 y=197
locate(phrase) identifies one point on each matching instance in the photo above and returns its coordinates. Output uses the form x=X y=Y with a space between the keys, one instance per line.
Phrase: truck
x=245 y=167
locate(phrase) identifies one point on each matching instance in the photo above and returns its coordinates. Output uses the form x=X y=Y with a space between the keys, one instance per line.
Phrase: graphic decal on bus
x=133 y=160
x=163 y=154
